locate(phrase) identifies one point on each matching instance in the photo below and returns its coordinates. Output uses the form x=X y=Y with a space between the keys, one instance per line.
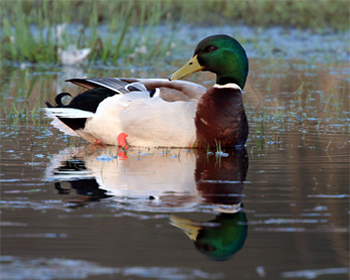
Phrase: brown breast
x=220 y=118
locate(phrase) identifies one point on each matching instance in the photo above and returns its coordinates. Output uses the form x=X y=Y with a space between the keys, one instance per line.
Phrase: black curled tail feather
x=58 y=100
x=86 y=101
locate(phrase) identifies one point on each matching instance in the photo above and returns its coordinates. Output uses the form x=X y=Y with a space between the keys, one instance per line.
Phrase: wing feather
x=113 y=84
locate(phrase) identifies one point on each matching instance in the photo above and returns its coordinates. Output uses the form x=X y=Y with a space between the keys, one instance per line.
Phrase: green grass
x=29 y=28
x=36 y=31
x=290 y=13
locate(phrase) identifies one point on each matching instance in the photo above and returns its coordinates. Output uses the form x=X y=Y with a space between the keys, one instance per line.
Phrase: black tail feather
x=59 y=97
x=86 y=101
x=58 y=100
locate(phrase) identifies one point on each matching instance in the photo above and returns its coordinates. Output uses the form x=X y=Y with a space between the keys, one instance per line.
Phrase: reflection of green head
x=222 y=241
x=218 y=239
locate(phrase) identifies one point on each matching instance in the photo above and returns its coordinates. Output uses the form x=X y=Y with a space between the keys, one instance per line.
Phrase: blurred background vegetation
x=32 y=31
x=314 y=14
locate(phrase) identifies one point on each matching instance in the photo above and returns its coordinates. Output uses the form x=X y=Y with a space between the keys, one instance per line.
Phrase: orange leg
x=122 y=154
x=123 y=146
x=122 y=140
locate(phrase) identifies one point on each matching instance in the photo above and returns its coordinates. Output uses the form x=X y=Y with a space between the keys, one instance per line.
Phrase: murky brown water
x=278 y=210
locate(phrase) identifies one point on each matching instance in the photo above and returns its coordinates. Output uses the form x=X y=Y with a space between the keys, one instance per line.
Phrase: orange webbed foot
x=122 y=141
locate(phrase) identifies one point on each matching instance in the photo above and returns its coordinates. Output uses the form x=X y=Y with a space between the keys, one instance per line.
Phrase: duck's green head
x=220 y=54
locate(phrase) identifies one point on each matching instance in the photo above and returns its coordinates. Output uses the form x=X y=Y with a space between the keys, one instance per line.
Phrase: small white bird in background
x=70 y=55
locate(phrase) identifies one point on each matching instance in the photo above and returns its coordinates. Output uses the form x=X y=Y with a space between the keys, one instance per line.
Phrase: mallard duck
x=161 y=112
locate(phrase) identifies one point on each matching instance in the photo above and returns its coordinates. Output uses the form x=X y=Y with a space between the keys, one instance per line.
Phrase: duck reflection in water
x=220 y=183
x=200 y=182
x=86 y=185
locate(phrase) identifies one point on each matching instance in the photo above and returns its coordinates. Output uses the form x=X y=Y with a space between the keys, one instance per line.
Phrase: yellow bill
x=190 y=67
x=186 y=225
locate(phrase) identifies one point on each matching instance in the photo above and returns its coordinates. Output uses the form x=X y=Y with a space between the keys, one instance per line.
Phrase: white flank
x=155 y=122
x=229 y=85
x=147 y=121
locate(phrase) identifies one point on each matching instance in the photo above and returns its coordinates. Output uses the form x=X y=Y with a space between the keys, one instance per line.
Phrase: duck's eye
x=211 y=48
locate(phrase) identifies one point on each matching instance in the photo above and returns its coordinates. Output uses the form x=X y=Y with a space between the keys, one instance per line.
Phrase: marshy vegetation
x=36 y=31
